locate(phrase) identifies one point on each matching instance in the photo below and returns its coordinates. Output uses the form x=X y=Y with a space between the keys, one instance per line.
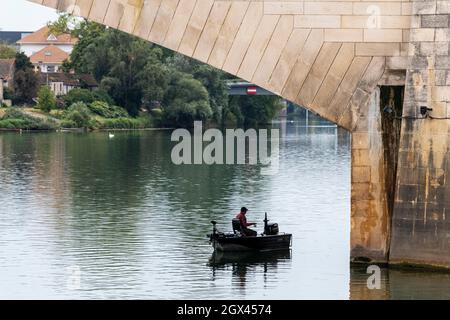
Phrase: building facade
x=46 y=50
x=49 y=59
x=62 y=83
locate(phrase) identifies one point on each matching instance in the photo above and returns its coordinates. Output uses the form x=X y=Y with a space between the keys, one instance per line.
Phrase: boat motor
x=270 y=229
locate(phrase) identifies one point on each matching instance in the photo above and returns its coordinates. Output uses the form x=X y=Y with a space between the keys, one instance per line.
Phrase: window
x=52 y=37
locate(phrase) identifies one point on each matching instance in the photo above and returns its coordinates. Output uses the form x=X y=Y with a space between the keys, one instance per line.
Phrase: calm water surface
x=120 y=217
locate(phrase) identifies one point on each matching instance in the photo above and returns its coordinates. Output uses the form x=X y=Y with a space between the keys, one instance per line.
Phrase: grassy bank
x=78 y=116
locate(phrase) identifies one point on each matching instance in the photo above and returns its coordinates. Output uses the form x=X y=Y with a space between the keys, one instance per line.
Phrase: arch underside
x=307 y=59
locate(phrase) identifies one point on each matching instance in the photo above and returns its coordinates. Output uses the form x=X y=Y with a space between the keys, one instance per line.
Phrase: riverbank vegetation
x=140 y=85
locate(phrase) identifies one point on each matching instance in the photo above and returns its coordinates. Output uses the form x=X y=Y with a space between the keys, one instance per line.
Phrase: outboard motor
x=270 y=229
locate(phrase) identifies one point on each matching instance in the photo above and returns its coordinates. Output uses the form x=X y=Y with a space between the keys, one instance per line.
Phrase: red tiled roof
x=43 y=36
x=50 y=54
x=76 y=80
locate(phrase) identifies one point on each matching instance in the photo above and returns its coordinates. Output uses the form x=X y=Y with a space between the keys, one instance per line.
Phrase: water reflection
x=242 y=264
x=135 y=224
x=399 y=284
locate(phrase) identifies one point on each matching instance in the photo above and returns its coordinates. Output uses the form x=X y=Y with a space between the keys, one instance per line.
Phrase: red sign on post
x=252 y=90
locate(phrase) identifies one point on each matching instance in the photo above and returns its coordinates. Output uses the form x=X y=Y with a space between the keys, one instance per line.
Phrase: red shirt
x=243 y=219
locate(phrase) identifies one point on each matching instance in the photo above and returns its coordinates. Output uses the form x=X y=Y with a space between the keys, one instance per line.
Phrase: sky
x=21 y=15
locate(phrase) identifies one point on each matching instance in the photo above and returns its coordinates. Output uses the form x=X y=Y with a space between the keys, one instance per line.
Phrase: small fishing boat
x=270 y=239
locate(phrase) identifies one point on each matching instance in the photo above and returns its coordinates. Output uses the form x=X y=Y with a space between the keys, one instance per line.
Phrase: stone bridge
x=365 y=65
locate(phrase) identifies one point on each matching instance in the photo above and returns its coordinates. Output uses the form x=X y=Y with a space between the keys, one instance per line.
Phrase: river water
x=84 y=216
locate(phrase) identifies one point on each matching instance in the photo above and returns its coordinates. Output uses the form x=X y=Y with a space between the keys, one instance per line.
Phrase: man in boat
x=244 y=224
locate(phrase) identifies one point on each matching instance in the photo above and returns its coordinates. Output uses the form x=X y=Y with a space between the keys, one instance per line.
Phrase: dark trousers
x=249 y=232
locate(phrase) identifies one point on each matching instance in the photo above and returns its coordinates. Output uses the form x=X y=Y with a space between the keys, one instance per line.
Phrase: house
x=61 y=83
x=49 y=59
x=43 y=38
x=47 y=51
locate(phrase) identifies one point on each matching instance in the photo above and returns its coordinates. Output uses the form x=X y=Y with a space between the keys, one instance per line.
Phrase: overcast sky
x=21 y=15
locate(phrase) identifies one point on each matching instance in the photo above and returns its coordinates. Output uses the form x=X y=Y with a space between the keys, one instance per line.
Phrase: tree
x=212 y=79
x=186 y=101
x=78 y=95
x=46 y=99
x=155 y=78
x=254 y=110
x=79 y=115
x=129 y=69
x=26 y=82
x=88 y=34
x=64 y=24
x=7 y=52
x=137 y=74
x=215 y=83
x=23 y=62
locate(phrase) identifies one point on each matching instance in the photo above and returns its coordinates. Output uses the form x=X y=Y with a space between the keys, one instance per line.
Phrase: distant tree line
x=136 y=75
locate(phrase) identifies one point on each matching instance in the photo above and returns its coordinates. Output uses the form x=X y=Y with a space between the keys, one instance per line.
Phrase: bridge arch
x=328 y=56
x=321 y=55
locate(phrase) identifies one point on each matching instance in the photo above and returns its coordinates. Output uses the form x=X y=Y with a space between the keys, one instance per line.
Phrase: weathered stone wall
x=370 y=220
x=421 y=228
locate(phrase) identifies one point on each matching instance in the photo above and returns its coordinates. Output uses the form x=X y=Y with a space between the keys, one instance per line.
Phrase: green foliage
x=66 y=66
x=122 y=64
x=87 y=34
x=155 y=79
x=126 y=123
x=230 y=119
x=78 y=95
x=7 y=52
x=104 y=110
x=212 y=79
x=86 y=96
x=157 y=112
x=80 y=115
x=46 y=99
x=57 y=113
x=16 y=119
x=8 y=94
x=64 y=24
x=23 y=63
x=254 y=110
x=102 y=95
x=68 y=124
x=13 y=124
x=135 y=74
x=157 y=115
x=26 y=82
x=215 y=82
x=186 y=101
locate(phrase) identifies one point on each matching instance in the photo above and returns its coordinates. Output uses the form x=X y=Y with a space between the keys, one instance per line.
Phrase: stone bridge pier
x=365 y=65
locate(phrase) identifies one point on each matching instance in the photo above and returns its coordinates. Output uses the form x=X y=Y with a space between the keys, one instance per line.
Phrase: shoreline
x=80 y=130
